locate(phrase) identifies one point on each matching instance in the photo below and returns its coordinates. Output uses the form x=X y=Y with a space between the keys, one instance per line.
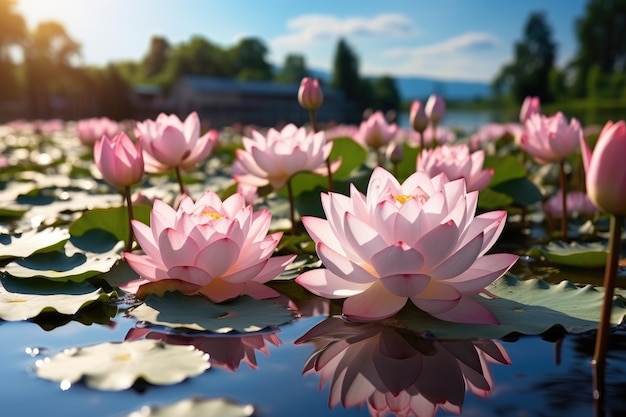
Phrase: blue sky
x=446 y=39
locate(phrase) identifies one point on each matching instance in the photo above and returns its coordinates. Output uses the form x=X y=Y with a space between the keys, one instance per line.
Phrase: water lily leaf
x=352 y=156
x=522 y=190
x=28 y=243
x=580 y=255
x=117 y=366
x=16 y=306
x=112 y=220
x=529 y=307
x=59 y=266
x=244 y=314
x=505 y=168
x=193 y=407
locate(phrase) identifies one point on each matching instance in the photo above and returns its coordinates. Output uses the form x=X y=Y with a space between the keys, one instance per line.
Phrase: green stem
x=292 y=213
x=129 y=206
x=602 y=338
x=179 y=178
x=315 y=128
x=563 y=182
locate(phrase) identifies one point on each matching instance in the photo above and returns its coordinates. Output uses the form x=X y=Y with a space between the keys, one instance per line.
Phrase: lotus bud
x=435 y=108
x=417 y=116
x=310 y=94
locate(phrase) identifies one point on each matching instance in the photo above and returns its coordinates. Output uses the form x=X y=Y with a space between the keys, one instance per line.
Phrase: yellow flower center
x=403 y=198
x=212 y=215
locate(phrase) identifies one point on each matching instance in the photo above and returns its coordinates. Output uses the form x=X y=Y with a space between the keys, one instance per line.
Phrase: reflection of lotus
x=394 y=370
x=225 y=351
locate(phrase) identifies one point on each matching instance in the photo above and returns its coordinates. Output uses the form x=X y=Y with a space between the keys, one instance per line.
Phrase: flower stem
x=179 y=178
x=292 y=214
x=129 y=206
x=563 y=182
x=602 y=338
x=313 y=120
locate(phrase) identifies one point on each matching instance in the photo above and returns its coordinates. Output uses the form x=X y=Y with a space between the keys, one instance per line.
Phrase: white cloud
x=306 y=29
x=468 y=56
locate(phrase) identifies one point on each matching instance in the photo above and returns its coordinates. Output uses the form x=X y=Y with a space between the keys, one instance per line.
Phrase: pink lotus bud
x=435 y=108
x=310 y=94
x=394 y=152
x=119 y=160
x=605 y=168
x=530 y=106
x=417 y=116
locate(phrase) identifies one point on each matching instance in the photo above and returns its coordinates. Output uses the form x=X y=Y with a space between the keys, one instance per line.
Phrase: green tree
x=386 y=95
x=12 y=33
x=346 y=72
x=249 y=62
x=601 y=34
x=50 y=58
x=294 y=69
x=534 y=57
x=155 y=60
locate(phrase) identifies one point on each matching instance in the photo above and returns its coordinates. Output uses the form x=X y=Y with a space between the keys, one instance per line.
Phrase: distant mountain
x=420 y=87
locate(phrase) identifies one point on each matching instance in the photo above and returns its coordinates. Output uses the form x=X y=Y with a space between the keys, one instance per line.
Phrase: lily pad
x=193 y=407
x=529 y=307
x=576 y=254
x=23 y=306
x=244 y=314
x=117 y=366
x=28 y=243
x=59 y=266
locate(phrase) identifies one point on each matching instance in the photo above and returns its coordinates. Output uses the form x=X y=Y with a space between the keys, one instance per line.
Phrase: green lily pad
x=529 y=307
x=193 y=407
x=59 y=266
x=576 y=254
x=112 y=220
x=117 y=366
x=244 y=314
x=28 y=243
x=16 y=306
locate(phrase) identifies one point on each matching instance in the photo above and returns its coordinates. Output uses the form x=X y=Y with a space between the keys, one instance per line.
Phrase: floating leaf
x=529 y=307
x=581 y=255
x=32 y=242
x=112 y=220
x=59 y=266
x=117 y=366
x=16 y=306
x=193 y=407
x=244 y=314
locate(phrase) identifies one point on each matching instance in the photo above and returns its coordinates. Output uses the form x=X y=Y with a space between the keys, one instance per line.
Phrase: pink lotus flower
x=119 y=160
x=578 y=202
x=418 y=241
x=489 y=133
x=170 y=143
x=218 y=249
x=530 y=106
x=395 y=371
x=456 y=162
x=435 y=108
x=550 y=139
x=375 y=132
x=275 y=158
x=225 y=351
x=431 y=137
x=605 y=168
x=92 y=129
x=417 y=116
x=310 y=94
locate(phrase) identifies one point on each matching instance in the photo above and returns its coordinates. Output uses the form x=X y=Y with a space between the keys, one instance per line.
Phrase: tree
x=248 y=60
x=50 y=57
x=386 y=95
x=601 y=34
x=156 y=59
x=12 y=32
x=534 y=57
x=346 y=71
x=294 y=69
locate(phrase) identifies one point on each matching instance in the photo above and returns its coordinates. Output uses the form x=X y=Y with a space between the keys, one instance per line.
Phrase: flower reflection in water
x=225 y=351
x=396 y=371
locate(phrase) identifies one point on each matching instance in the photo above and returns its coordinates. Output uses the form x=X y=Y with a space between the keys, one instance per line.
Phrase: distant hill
x=420 y=87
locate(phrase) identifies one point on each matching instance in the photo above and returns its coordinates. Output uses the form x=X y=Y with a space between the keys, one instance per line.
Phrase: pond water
x=547 y=376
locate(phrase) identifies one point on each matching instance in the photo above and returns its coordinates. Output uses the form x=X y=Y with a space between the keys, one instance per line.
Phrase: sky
x=444 y=39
